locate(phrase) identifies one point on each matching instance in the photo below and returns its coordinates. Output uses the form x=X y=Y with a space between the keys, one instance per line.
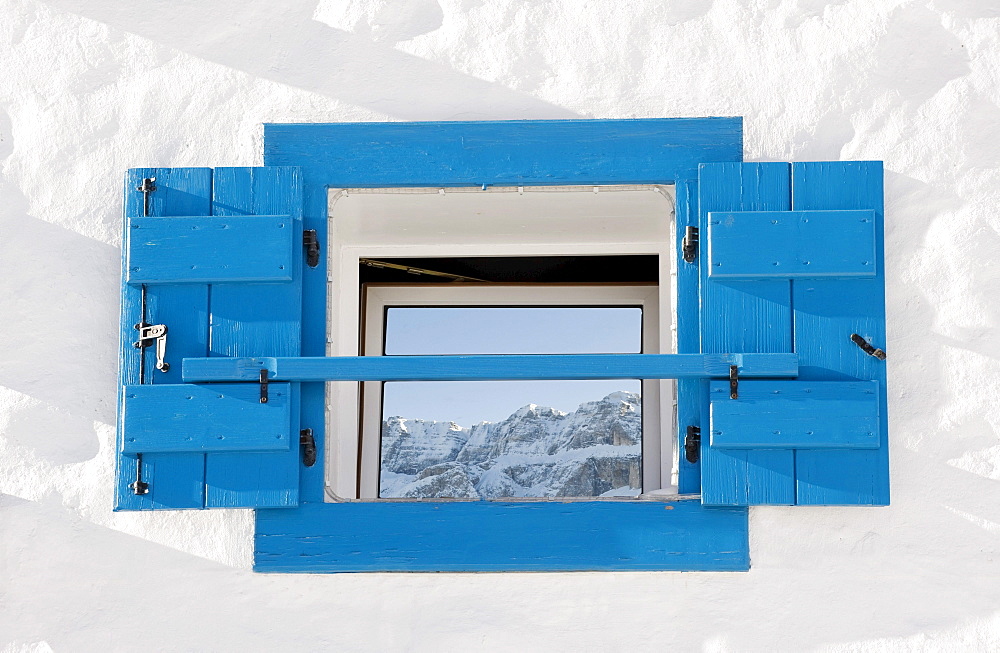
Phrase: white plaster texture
x=88 y=89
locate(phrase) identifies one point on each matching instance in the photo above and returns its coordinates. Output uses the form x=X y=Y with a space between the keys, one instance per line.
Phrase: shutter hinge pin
x=734 y=382
x=867 y=347
x=138 y=486
x=311 y=242
x=308 y=444
x=692 y=444
x=689 y=246
x=263 y=386
x=150 y=333
x=147 y=186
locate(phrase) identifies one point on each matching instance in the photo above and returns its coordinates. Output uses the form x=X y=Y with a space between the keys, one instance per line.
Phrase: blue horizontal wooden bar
x=502 y=536
x=483 y=368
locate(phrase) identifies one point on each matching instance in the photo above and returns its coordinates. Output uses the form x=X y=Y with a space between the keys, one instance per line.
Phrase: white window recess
x=496 y=222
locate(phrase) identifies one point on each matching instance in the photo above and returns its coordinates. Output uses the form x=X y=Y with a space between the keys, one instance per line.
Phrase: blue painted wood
x=175 y=480
x=827 y=312
x=490 y=368
x=535 y=152
x=744 y=315
x=795 y=415
x=214 y=249
x=326 y=160
x=688 y=333
x=216 y=417
x=500 y=536
x=258 y=319
x=791 y=244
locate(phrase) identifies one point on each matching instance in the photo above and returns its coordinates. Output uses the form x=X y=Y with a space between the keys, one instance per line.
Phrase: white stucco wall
x=88 y=89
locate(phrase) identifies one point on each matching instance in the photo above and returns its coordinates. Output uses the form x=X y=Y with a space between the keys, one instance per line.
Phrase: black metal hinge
x=734 y=382
x=692 y=444
x=689 y=246
x=311 y=242
x=308 y=444
x=263 y=386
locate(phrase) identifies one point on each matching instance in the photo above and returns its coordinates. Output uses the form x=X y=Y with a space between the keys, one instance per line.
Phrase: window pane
x=513 y=330
x=489 y=439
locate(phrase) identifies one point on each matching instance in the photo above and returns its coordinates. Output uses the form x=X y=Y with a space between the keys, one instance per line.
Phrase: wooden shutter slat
x=257 y=319
x=827 y=312
x=744 y=315
x=176 y=480
x=688 y=332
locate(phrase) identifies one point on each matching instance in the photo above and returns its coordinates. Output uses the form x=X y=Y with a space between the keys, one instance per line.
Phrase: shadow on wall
x=70 y=581
x=59 y=329
x=60 y=333
x=917 y=56
x=282 y=42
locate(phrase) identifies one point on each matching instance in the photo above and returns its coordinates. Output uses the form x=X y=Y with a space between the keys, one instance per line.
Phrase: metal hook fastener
x=150 y=333
x=867 y=347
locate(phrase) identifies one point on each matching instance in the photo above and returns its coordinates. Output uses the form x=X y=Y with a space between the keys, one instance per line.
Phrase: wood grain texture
x=208 y=249
x=176 y=480
x=499 y=536
x=744 y=315
x=536 y=152
x=491 y=368
x=218 y=417
x=687 y=303
x=827 y=312
x=791 y=244
x=257 y=319
x=795 y=415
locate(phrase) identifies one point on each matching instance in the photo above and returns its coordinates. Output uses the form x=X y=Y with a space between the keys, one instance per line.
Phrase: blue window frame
x=233 y=310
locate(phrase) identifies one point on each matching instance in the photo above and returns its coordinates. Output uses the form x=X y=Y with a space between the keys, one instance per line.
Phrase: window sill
x=485 y=536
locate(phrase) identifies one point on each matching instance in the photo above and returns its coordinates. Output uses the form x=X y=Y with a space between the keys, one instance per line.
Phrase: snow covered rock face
x=536 y=452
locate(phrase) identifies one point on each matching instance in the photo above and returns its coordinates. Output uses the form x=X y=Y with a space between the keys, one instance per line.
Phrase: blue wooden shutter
x=792 y=262
x=215 y=256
